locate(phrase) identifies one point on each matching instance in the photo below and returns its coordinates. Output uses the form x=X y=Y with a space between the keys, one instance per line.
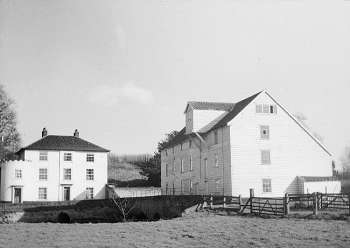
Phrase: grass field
x=204 y=230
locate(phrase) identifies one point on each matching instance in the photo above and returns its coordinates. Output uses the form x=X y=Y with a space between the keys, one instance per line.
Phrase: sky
x=121 y=71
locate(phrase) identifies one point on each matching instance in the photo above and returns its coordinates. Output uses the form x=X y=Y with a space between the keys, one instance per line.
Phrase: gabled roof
x=64 y=143
x=223 y=106
x=222 y=120
x=225 y=118
x=238 y=107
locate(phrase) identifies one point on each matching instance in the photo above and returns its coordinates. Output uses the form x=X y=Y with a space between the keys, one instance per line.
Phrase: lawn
x=199 y=230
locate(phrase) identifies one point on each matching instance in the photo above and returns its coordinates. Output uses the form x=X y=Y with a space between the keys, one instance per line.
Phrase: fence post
x=224 y=205
x=315 y=203
x=286 y=204
x=321 y=200
x=211 y=202
x=349 y=202
x=240 y=203
x=251 y=195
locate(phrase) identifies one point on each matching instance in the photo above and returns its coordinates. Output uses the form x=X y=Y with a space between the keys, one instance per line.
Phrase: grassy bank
x=200 y=230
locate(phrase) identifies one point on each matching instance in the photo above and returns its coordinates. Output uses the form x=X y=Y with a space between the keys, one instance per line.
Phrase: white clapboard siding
x=293 y=152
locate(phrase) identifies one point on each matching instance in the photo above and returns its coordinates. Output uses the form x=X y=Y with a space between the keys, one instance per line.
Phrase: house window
x=217 y=185
x=273 y=109
x=67 y=174
x=67 y=156
x=43 y=174
x=166 y=152
x=267 y=185
x=182 y=166
x=216 y=139
x=205 y=167
x=89 y=193
x=264 y=132
x=42 y=193
x=259 y=108
x=43 y=156
x=216 y=161
x=191 y=166
x=90 y=158
x=18 y=174
x=166 y=188
x=174 y=165
x=191 y=186
x=190 y=144
x=181 y=146
x=166 y=170
x=265 y=157
x=266 y=108
x=90 y=174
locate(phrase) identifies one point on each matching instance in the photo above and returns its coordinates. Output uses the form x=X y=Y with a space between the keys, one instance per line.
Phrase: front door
x=66 y=193
x=18 y=195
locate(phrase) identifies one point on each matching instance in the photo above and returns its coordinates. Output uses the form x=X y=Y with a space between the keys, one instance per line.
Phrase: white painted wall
x=293 y=152
x=30 y=182
x=203 y=117
x=323 y=187
x=137 y=191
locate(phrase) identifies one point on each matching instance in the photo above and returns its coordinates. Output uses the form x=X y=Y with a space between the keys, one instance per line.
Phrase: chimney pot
x=76 y=133
x=44 y=132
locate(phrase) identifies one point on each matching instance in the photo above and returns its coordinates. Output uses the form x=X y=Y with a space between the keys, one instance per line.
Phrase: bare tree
x=125 y=205
x=345 y=162
x=303 y=120
x=9 y=135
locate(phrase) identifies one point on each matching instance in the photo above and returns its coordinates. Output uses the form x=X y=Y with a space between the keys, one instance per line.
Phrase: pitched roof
x=224 y=106
x=239 y=106
x=221 y=121
x=64 y=143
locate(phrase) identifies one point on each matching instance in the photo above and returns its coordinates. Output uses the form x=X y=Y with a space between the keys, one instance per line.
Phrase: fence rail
x=279 y=206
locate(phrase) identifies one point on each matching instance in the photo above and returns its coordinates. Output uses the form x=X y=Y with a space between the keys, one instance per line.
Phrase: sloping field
x=124 y=171
x=206 y=230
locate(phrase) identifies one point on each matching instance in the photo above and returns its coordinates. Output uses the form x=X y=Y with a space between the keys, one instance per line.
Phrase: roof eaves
x=301 y=125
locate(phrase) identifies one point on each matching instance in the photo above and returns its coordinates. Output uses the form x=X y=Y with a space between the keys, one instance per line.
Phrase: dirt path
x=207 y=230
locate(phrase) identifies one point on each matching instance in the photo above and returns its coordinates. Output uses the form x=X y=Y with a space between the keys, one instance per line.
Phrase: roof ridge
x=63 y=142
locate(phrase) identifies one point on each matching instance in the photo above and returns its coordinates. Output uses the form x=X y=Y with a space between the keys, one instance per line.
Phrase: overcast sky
x=122 y=71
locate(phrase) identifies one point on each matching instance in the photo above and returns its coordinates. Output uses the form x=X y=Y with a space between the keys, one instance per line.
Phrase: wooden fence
x=278 y=206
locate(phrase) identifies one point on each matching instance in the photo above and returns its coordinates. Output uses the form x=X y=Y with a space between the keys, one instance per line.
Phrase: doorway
x=66 y=193
x=17 y=195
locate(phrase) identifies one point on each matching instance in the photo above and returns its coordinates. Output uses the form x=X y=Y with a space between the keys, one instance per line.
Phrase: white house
x=55 y=168
x=228 y=148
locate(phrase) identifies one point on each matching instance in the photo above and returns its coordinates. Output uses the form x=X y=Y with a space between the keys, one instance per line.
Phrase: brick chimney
x=44 y=132
x=76 y=133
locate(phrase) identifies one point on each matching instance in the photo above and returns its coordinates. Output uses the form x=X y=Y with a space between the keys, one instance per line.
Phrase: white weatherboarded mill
x=229 y=148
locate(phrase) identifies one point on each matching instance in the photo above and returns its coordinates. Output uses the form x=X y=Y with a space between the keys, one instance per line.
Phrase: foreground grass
x=206 y=230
